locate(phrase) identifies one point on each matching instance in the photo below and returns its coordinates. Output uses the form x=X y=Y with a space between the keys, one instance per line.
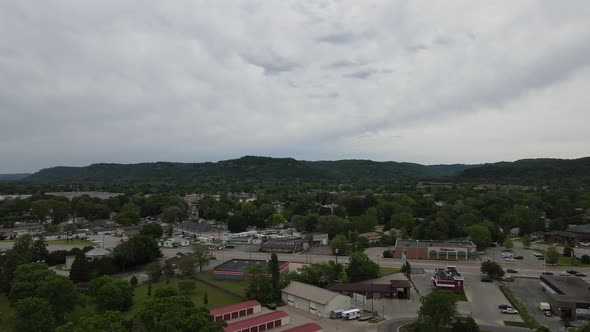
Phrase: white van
x=335 y=314
x=351 y=314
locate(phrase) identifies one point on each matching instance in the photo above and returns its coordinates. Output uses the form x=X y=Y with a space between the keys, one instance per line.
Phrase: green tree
x=40 y=209
x=202 y=255
x=168 y=271
x=61 y=293
x=26 y=280
x=339 y=245
x=186 y=287
x=33 y=315
x=8 y=265
x=39 y=252
x=130 y=214
x=437 y=311
x=80 y=270
x=112 y=294
x=167 y=291
x=172 y=214
x=154 y=270
x=149 y=289
x=111 y=321
x=492 y=269
x=258 y=285
x=568 y=251
x=465 y=324
x=317 y=274
x=133 y=281
x=585 y=259
x=205 y=299
x=551 y=255
x=137 y=250
x=275 y=274
x=152 y=229
x=526 y=241
x=175 y=314
x=480 y=235
x=23 y=246
x=387 y=253
x=59 y=210
x=361 y=268
x=508 y=244
x=187 y=265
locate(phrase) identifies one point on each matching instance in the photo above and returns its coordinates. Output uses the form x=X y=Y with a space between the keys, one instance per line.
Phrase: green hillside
x=266 y=169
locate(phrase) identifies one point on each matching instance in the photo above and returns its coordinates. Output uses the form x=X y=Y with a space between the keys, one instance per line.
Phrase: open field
x=231 y=285
x=216 y=297
x=385 y=271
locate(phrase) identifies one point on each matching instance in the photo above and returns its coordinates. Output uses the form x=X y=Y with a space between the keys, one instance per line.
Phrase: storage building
x=313 y=299
x=426 y=249
x=259 y=323
x=569 y=296
x=237 y=310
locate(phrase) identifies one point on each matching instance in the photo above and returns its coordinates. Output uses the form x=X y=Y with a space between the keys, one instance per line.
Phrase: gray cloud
x=143 y=81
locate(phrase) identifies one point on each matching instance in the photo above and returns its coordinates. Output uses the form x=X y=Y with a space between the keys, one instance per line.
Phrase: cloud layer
x=130 y=81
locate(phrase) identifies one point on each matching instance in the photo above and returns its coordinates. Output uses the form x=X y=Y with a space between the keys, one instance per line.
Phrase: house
x=234 y=311
x=315 y=300
x=97 y=253
x=515 y=232
x=583 y=231
x=373 y=237
x=320 y=239
x=536 y=236
x=174 y=262
x=562 y=237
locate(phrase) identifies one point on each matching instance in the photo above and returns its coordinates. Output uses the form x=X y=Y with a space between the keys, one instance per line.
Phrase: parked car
x=547 y=273
x=564 y=273
x=485 y=278
x=504 y=306
x=508 y=279
x=580 y=274
x=510 y=311
x=511 y=271
x=572 y=271
x=518 y=257
x=541 y=258
x=510 y=259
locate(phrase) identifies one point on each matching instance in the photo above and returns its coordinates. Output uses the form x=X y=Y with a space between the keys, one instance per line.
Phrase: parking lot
x=483 y=298
x=529 y=292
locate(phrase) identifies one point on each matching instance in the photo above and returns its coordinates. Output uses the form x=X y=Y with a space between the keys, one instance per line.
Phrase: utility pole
x=372 y=300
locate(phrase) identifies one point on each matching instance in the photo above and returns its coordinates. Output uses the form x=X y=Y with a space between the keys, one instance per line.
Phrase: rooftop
x=567 y=287
x=309 y=292
x=562 y=233
x=233 y=307
x=450 y=274
x=243 y=264
x=579 y=228
x=254 y=321
x=429 y=243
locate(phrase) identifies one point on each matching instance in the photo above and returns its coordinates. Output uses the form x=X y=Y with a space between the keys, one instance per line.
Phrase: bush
x=585 y=259
x=387 y=254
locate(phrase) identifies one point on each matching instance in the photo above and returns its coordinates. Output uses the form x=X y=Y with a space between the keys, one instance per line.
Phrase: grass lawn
x=6 y=313
x=517 y=324
x=385 y=271
x=216 y=297
x=235 y=286
x=567 y=261
x=76 y=242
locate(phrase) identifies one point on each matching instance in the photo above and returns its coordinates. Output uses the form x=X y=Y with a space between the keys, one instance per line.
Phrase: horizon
x=463 y=82
x=319 y=160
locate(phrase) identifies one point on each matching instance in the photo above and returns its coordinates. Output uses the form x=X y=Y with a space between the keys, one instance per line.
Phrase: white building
x=313 y=299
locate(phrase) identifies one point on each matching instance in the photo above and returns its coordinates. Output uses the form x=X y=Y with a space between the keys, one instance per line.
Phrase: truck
x=546 y=308
x=335 y=314
x=351 y=314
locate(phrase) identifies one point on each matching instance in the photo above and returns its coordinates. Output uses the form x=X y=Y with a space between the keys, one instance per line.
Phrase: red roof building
x=259 y=323
x=309 y=327
x=237 y=310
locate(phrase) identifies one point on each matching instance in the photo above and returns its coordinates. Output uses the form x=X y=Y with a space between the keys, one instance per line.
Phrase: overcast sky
x=431 y=82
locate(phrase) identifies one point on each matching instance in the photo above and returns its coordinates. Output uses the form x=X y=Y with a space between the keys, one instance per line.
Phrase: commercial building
x=569 y=296
x=448 y=278
x=234 y=311
x=562 y=237
x=259 y=323
x=426 y=249
x=396 y=288
x=286 y=246
x=235 y=269
x=309 y=327
x=582 y=231
x=312 y=299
